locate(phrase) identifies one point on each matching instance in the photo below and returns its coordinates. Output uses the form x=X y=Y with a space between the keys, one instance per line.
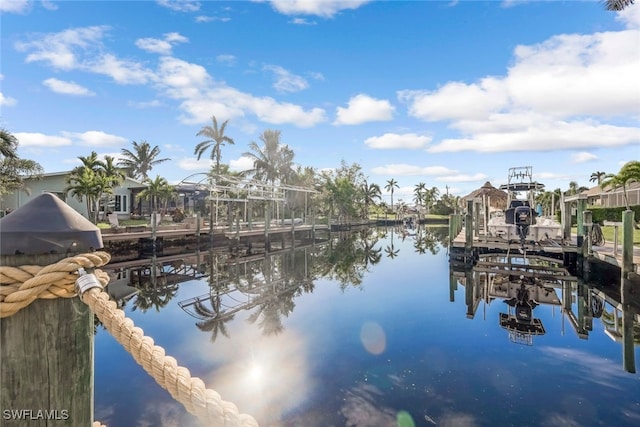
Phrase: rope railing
x=20 y=286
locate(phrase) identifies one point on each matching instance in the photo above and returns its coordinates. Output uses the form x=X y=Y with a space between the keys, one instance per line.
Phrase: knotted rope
x=19 y=286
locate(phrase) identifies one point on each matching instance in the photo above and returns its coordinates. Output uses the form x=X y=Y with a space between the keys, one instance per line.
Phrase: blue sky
x=447 y=93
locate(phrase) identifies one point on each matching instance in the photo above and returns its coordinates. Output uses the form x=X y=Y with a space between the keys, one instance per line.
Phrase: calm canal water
x=369 y=329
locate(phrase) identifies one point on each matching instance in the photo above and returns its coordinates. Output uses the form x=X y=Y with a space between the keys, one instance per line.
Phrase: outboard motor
x=523 y=218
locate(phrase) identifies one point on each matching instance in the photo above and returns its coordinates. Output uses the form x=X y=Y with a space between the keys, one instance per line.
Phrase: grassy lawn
x=608 y=233
x=125 y=222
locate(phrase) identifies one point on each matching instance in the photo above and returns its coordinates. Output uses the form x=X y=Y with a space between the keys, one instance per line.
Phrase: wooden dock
x=176 y=231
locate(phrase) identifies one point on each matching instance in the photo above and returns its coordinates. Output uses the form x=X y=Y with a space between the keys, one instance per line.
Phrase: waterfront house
x=121 y=202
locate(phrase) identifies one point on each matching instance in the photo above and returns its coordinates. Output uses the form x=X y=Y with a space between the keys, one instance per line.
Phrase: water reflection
x=524 y=283
x=337 y=333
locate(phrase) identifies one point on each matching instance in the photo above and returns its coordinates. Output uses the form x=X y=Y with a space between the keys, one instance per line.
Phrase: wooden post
x=627 y=243
x=451 y=228
x=587 y=222
x=566 y=218
x=582 y=204
x=453 y=286
x=468 y=227
x=46 y=349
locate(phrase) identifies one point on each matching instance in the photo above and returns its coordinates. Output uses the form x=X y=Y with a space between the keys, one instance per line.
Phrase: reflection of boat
x=520 y=221
x=524 y=294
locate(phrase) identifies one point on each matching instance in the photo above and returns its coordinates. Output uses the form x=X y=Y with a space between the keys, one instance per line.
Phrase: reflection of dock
x=175 y=231
x=497 y=277
x=243 y=283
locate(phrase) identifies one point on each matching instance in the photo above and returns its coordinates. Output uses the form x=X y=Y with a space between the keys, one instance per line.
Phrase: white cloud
x=35 y=139
x=302 y=21
x=286 y=81
x=204 y=19
x=241 y=164
x=323 y=8
x=191 y=164
x=226 y=59
x=570 y=75
x=180 y=5
x=67 y=88
x=540 y=135
x=161 y=46
x=49 y=5
x=363 y=108
x=583 y=157
x=95 y=138
x=557 y=95
x=200 y=96
x=457 y=100
x=630 y=17
x=61 y=50
x=462 y=178
x=145 y=104
x=6 y=101
x=395 y=141
x=123 y=72
x=409 y=170
x=15 y=6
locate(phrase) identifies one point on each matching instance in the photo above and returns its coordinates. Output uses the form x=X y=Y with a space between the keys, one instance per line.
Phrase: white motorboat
x=520 y=221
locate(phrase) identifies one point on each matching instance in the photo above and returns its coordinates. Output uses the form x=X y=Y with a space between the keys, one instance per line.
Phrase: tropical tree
x=14 y=171
x=341 y=190
x=370 y=193
x=8 y=144
x=597 y=177
x=630 y=172
x=139 y=161
x=430 y=197
x=391 y=185
x=273 y=160
x=618 y=5
x=215 y=140
x=87 y=185
x=157 y=190
x=418 y=194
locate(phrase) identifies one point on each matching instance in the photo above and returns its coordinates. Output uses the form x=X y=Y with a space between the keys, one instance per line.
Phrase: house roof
x=497 y=196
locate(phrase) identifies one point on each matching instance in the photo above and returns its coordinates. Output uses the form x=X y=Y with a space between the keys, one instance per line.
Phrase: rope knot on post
x=20 y=286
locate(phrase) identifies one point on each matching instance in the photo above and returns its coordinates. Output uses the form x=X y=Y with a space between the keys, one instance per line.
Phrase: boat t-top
x=521 y=222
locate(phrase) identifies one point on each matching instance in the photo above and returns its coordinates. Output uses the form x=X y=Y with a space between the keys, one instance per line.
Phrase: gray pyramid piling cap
x=47 y=225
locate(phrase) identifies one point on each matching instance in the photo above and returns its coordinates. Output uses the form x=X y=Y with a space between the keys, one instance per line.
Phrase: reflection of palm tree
x=390 y=250
x=426 y=240
x=156 y=296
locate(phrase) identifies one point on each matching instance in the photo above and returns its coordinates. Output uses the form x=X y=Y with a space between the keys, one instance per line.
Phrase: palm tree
x=370 y=192
x=391 y=185
x=273 y=161
x=8 y=144
x=139 y=161
x=216 y=139
x=430 y=197
x=418 y=192
x=14 y=171
x=629 y=172
x=618 y=5
x=87 y=185
x=157 y=190
x=597 y=177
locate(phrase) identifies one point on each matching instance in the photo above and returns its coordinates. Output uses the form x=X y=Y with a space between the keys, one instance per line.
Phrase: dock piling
x=46 y=348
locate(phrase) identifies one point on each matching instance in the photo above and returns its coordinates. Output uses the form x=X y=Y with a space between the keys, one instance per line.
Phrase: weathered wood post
x=46 y=348
x=628 y=355
x=453 y=286
x=587 y=246
x=468 y=228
